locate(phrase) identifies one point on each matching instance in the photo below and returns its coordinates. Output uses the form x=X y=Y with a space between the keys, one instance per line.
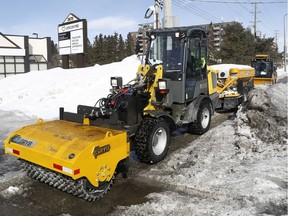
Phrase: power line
x=243 y=6
x=271 y=24
x=242 y=2
x=231 y=8
x=195 y=10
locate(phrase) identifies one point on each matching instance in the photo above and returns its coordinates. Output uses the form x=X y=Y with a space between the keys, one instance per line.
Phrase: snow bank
x=229 y=66
x=41 y=93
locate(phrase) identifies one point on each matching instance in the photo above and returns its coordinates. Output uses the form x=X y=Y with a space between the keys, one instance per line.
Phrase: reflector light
x=65 y=169
x=14 y=151
x=9 y=150
x=76 y=171
x=56 y=166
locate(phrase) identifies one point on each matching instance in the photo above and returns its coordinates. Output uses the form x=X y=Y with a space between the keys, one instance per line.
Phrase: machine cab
x=183 y=54
x=263 y=66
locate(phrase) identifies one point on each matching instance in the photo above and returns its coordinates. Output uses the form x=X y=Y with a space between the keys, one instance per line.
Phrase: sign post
x=72 y=38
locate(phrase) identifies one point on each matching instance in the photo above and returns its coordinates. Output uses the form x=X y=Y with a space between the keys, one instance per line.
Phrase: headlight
x=116 y=82
x=162 y=84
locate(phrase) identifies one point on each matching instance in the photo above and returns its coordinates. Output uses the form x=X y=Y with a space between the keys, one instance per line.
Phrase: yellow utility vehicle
x=82 y=152
x=233 y=84
x=265 y=71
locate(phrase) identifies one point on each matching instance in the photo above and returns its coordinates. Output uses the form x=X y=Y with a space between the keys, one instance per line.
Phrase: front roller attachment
x=75 y=158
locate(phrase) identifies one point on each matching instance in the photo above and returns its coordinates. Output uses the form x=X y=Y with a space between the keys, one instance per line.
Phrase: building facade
x=215 y=31
x=21 y=54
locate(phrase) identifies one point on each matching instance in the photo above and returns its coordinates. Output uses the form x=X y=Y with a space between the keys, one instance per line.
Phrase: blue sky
x=109 y=16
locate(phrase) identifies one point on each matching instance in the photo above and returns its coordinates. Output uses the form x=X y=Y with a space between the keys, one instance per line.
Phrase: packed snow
x=237 y=168
x=40 y=93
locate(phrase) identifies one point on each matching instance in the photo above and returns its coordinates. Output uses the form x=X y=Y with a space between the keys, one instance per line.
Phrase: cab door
x=196 y=67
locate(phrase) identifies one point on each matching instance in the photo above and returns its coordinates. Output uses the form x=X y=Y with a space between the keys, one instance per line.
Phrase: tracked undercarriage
x=80 y=188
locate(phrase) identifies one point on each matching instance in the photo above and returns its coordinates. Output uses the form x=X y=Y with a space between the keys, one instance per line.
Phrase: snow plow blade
x=72 y=149
x=264 y=81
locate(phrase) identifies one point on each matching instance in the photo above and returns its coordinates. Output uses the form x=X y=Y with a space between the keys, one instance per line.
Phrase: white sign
x=77 y=41
x=70 y=27
x=71 y=38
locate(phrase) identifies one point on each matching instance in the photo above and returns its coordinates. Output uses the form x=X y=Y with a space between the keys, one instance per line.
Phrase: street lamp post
x=36 y=35
x=285 y=51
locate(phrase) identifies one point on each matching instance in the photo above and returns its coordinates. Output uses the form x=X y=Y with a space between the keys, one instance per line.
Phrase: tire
x=203 y=121
x=152 y=140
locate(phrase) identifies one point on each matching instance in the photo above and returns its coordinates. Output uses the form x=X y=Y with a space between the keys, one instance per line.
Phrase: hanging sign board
x=72 y=35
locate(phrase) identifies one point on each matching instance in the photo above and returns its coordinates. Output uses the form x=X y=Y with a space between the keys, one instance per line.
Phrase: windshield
x=262 y=68
x=166 y=50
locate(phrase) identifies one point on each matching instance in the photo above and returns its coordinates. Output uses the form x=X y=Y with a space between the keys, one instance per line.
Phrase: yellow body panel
x=151 y=87
x=226 y=86
x=212 y=81
x=242 y=72
x=264 y=81
x=262 y=56
x=83 y=150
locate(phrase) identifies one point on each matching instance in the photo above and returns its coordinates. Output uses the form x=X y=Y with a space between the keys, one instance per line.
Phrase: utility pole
x=285 y=47
x=276 y=37
x=156 y=15
x=255 y=18
x=167 y=20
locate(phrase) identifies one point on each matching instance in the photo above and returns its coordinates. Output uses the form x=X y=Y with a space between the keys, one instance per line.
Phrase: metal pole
x=168 y=22
x=156 y=15
x=255 y=17
x=285 y=51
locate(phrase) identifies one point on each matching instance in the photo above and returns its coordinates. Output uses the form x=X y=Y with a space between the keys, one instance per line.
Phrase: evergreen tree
x=108 y=49
x=238 y=45
x=54 y=55
x=90 y=55
x=99 y=49
x=121 y=49
x=130 y=49
x=267 y=46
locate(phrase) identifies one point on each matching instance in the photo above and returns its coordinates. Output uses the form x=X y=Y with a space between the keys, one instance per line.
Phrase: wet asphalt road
x=38 y=198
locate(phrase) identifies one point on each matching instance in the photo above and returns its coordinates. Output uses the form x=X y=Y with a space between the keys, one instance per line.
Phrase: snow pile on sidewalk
x=41 y=93
x=237 y=168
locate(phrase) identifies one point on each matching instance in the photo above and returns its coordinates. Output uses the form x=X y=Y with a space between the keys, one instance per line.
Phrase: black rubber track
x=75 y=187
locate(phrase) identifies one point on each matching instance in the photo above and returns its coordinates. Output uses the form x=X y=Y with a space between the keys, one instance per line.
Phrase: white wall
x=38 y=46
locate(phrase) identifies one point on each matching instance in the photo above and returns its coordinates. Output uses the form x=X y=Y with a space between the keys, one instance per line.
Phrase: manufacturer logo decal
x=101 y=150
x=22 y=141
